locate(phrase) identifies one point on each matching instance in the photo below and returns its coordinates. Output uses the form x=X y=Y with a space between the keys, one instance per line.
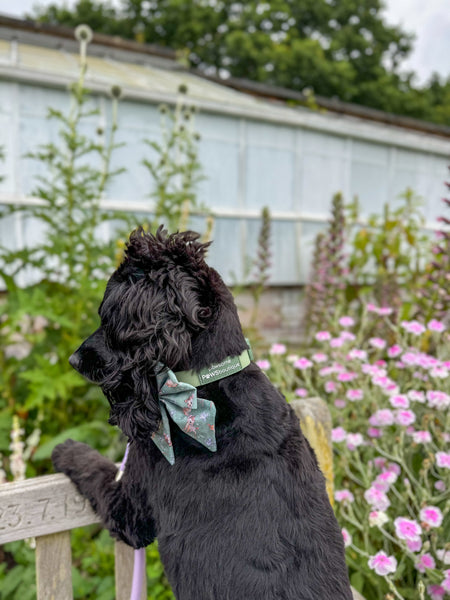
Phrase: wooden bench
x=48 y=507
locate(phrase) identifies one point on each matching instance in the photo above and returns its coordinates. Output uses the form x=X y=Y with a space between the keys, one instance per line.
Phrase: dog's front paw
x=64 y=456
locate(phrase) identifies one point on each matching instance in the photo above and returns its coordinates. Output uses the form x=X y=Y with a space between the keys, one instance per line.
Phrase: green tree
x=338 y=48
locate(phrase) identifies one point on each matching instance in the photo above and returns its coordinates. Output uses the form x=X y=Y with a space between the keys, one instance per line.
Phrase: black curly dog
x=251 y=521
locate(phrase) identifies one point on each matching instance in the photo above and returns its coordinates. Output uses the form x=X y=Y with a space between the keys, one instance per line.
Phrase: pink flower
x=377 y=518
x=340 y=403
x=371 y=308
x=432 y=516
x=348 y=336
x=323 y=336
x=343 y=496
x=303 y=363
x=373 y=432
x=426 y=561
x=319 y=357
x=435 y=325
x=346 y=322
x=377 y=499
x=446 y=582
x=355 y=394
x=438 y=399
x=347 y=376
x=354 y=440
x=436 y=592
x=301 y=392
x=413 y=327
x=405 y=417
x=338 y=434
x=394 y=351
x=416 y=396
x=377 y=343
x=347 y=537
x=277 y=349
x=409 y=358
x=399 y=401
x=383 y=564
x=414 y=545
x=439 y=372
x=330 y=387
x=263 y=364
x=421 y=437
x=440 y=486
x=379 y=462
x=385 y=311
x=384 y=480
x=336 y=342
x=406 y=529
x=359 y=354
x=382 y=417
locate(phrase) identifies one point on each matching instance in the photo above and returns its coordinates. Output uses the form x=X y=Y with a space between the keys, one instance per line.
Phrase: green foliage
x=176 y=170
x=336 y=47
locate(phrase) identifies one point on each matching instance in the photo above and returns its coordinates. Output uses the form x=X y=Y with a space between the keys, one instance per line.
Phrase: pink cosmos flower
x=338 y=434
x=263 y=364
x=394 y=351
x=373 y=432
x=422 y=437
x=343 y=496
x=354 y=394
x=377 y=343
x=413 y=327
x=432 y=516
x=407 y=529
x=323 y=336
x=426 y=561
x=382 y=418
x=399 y=401
x=301 y=392
x=354 y=440
x=336 y=342
x=414 y=545
x=303 y=363
x=436 y=592
x=319 y=357
x=347 y=537
x=346 y=322
x=377 y=499
x=405 y=417
x=435 y=325
x=359 y=354
x=277 y=349
x=383 y=564
x=330 y=387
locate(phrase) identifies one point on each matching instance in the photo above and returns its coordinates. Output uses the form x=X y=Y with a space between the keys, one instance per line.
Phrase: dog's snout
x=74 y=361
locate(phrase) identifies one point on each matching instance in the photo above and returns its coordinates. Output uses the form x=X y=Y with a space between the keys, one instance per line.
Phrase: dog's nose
x=74 y=361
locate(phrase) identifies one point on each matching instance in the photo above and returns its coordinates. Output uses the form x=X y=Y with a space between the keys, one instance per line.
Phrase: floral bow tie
x=195 y=416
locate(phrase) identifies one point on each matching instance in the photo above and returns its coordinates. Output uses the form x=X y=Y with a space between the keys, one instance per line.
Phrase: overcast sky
x=429 y=20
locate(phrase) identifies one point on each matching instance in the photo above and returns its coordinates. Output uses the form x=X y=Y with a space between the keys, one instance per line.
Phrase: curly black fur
x=251 y=521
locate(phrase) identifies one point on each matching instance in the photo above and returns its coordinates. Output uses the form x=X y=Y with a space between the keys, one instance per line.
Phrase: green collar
x=229 y=366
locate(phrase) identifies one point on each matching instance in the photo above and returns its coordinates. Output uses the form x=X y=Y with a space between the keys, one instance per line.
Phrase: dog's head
x=163 y=306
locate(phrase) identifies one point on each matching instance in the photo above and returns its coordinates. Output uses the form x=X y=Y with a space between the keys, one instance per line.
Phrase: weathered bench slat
x=124 y=561
x=54 y=567
x=41 y=506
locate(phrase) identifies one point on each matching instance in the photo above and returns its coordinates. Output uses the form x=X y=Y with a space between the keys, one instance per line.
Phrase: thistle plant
x=261 y=264
x=176 y=170
x=327 y=282
x=434 y=293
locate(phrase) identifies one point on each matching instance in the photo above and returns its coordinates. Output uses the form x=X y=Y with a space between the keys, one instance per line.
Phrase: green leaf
x=82 y=433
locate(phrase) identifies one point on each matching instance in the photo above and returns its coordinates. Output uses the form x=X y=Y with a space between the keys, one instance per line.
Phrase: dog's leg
x=95 y=478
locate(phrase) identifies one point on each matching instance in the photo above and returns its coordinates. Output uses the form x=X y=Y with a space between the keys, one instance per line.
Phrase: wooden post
x=124 y=557
x=315 y=421
x=54 y=567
